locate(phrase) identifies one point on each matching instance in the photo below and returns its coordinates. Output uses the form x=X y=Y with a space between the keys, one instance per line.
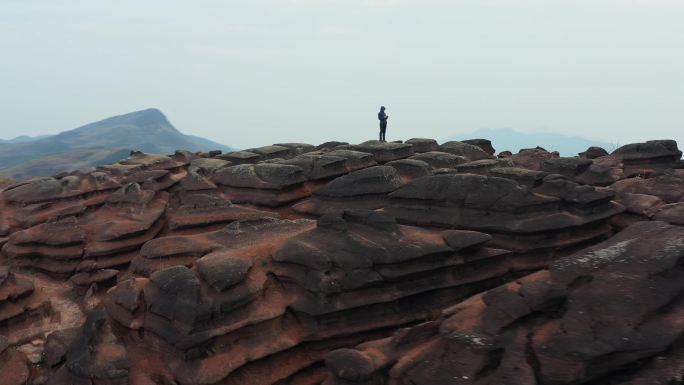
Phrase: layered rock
x=423 y=145
x=14 y=365
x=484 y=144
x=467 y=150
x=265 y=184
x=20 y=306
x=211 y=269
x=247 y=235
x=658 y=198
x=593 y=152
x=438 y=159
x=564 y=325
x=581 y=170
x=410 y=169
x=268 y=310
x=532 y=158
x=36 y=201
x=385 y=151
x=556 y=213
x=106 y=238
x=317 y=166
x=205 y=211
x=88 y=354
x=648 y=157
x=484 y=166
x=362 y=189
x=200 y=173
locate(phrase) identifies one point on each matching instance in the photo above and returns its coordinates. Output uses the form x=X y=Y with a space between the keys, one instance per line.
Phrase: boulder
x=484 y=144
x=423 y=145
x=385 y=151
x=470 y=151
x=593 y=152
x=409 y=169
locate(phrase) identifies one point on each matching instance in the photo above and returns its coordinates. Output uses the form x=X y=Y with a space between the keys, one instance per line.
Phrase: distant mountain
x=509 y=139
x=97 y=144
x=24 y=139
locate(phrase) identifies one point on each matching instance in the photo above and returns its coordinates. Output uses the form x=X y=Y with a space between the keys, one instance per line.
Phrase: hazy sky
x=249 y=73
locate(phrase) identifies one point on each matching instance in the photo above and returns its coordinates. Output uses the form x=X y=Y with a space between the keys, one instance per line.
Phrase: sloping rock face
x=611 y=313
x=371 y=263
x=365 y=188
x=555 y=213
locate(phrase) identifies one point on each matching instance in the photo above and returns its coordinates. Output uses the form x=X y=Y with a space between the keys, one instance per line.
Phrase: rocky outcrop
x=484 y=144
x=658 y=198
x=385 y=151
x=14 y=365
x=649 y=157
x=532 y=158
x=108 y=237
x=423 y=145
x=438 y=159
x=317 y=166
x=376 y=263
x=563 y=325
x=265 y=184
x=20 y=306
x=556 y=213
x=483 y=166
x=467 y=150
x=356 y=273
x=593 y=152
x=88 y=354
x=362 y=189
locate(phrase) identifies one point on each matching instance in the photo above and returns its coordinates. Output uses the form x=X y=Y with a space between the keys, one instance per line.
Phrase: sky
x=249 y=73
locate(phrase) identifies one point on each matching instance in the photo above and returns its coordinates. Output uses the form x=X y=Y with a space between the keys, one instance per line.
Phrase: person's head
x=382 y=108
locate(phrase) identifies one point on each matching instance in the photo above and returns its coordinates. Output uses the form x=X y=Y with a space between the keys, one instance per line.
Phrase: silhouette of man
x=382 y=117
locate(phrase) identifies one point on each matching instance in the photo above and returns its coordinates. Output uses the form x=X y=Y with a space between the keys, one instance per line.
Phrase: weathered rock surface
x=556 y=213
x=423 y=145
x=562 y=325
x=367 y=188
x=648 y=157
x=467 y=150
x=484 y=144
x=376 y=263
x=437 y=159
x=385 y=151
x=593 y=152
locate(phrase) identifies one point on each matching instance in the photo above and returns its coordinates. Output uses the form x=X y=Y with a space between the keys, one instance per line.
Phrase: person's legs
x=383 y=128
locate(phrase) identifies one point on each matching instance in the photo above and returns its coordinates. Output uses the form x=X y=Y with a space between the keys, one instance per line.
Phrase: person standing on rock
x=382 y=117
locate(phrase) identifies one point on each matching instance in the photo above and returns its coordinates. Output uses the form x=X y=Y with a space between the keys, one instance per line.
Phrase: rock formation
x=372 y=263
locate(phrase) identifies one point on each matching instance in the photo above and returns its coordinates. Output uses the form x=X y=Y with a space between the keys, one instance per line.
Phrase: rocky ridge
x=374 y=263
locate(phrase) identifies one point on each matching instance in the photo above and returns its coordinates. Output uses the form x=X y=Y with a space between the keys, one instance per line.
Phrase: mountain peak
x=149 y=112
x=142 y=117
x=146 y=130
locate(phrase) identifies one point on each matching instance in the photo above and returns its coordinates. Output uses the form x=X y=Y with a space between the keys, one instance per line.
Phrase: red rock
x=212 y=270
x=562 y=326
x=423 y=145
x=469 y=151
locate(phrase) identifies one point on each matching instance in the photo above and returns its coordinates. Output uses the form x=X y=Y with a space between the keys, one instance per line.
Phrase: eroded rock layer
x=374 y=263
x=612 y=313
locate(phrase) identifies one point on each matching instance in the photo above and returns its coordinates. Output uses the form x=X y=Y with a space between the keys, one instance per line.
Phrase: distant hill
x=509 y=139
x=24 y=139
x=97 y=144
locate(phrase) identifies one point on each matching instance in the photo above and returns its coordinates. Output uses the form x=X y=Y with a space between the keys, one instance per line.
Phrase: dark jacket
x=382 y=116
